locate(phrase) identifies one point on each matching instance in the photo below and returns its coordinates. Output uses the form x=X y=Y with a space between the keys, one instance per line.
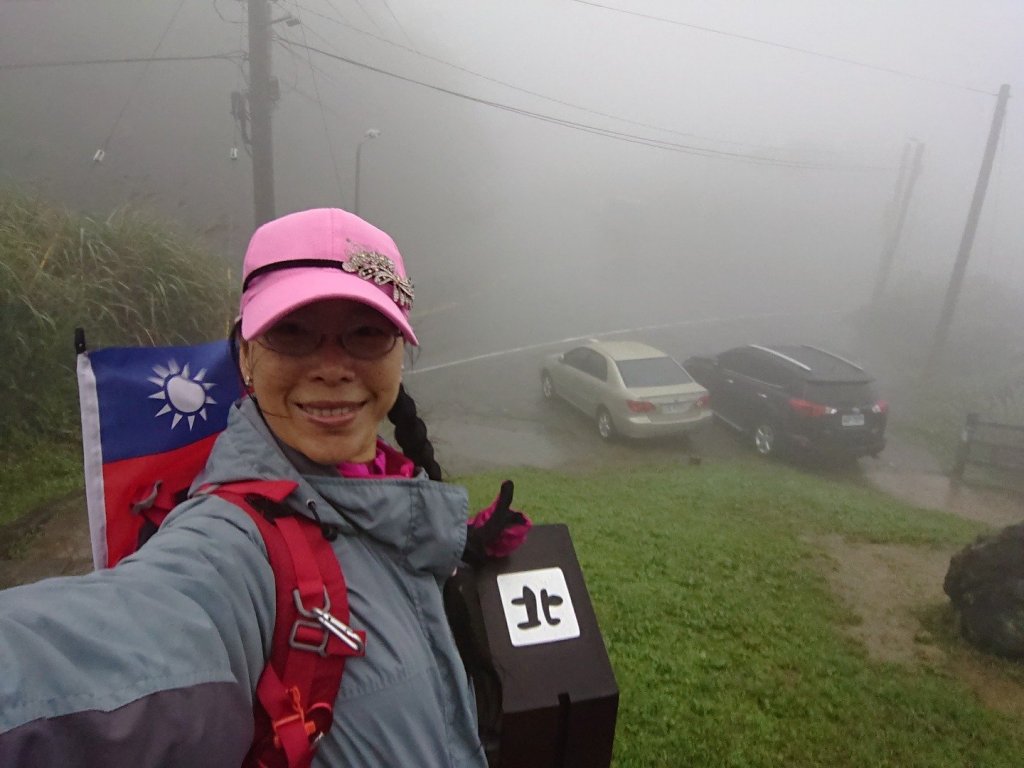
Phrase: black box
x=559 y=696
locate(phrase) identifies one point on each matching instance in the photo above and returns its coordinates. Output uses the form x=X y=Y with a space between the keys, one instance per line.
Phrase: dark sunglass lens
x=368 y=341
x=291 y=339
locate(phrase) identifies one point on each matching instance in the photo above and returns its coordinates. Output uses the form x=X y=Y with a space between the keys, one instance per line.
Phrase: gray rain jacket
x=155 y=662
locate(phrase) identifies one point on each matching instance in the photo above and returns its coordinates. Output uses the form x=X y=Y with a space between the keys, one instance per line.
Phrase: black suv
x=795 y=397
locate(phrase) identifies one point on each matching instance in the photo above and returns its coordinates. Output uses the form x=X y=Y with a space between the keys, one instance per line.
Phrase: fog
x=551 y=169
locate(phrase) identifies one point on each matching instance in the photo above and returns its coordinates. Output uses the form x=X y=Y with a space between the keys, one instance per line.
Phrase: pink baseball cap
x=324 y=253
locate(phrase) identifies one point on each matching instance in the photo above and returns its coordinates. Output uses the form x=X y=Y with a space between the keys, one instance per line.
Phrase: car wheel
x=605 y=427
x=766 y=440
x=547 y=386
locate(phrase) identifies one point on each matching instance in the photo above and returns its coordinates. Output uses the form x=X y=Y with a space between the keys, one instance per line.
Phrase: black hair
x=461 y=601
x=411 y=434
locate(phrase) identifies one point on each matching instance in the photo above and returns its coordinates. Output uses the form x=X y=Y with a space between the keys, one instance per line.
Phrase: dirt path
x=890 y=586
x=58 y=547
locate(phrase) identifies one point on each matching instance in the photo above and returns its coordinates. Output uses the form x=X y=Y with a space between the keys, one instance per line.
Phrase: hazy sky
x=775 y=164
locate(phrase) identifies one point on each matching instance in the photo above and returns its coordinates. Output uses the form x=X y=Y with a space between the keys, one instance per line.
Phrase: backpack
x=150 y=416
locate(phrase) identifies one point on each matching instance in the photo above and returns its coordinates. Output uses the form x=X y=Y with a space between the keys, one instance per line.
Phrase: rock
x=985 y=582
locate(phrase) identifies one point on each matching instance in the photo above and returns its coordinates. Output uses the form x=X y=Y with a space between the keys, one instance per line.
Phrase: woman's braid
x=461 y=604
x=411 y=434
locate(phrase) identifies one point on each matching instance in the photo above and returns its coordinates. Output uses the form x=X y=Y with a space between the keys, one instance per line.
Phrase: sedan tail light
x=704 y=401
x=807 y=408
x=640 y=406
x=880 y=407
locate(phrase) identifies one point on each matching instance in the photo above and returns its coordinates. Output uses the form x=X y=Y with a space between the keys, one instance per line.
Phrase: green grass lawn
x=36 y=471
x=726 y=642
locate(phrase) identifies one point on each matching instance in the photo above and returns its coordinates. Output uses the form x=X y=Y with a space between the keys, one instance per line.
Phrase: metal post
x=893 y=240
x=960 y=267
x=963 y=448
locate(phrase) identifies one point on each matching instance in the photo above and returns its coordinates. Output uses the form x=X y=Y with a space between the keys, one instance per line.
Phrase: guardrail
x=989 y=444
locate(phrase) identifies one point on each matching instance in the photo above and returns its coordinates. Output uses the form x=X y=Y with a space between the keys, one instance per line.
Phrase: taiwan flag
x=149 y=419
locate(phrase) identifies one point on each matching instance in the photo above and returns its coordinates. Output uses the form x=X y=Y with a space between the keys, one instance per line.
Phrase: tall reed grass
x=127 y=279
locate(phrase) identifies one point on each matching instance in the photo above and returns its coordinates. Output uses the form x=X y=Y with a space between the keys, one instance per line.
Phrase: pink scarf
x=387 y=463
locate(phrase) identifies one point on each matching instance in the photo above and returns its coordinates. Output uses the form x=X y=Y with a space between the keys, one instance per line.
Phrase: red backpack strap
x=312 y=639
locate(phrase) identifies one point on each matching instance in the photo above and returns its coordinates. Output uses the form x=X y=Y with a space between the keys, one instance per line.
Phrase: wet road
x=486 y=410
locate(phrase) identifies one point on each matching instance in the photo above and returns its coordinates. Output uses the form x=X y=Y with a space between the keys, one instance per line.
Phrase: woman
x=155 y=662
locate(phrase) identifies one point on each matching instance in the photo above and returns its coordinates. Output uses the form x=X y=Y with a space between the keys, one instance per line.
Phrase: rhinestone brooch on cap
x=379 y=269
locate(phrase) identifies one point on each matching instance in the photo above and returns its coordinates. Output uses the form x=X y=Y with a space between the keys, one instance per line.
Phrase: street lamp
x=372 y=133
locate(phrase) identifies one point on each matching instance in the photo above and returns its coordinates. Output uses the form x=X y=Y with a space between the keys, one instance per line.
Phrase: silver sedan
x=628 y=388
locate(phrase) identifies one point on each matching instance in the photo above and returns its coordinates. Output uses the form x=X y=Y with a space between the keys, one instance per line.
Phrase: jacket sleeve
x=151 y=663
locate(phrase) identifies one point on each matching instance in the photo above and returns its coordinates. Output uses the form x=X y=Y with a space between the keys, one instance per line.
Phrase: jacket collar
x=395 y=511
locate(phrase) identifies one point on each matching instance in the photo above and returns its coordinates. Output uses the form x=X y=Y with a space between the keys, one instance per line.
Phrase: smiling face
x=326 y=404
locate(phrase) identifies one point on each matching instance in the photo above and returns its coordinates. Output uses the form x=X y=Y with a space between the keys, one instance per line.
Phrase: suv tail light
x=807 y=408
x=704 y=401
x=880 y=407
x=640 y=406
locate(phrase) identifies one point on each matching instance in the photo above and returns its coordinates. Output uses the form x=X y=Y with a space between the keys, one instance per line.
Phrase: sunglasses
x=363 y=342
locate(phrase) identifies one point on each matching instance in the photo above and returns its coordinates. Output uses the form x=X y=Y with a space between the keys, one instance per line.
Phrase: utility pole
x=262 y=95
x=960 y=267
x=900 y=204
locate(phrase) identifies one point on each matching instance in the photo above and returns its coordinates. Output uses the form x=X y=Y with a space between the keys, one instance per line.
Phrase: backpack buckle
x=341 y=630
x=298 y=718
x=321 y=621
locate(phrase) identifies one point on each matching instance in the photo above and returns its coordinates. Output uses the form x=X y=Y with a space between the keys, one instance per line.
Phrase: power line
x=294 y=75
x=323 y=115
x=607 y=132
x=317 y=13
x=361 y=8
x=322 y=72
x=224 y=18
x=138 y=80
x=341 y=21
x=516 y=87
x=630 y=138
x=536 y=94
x=773 y=44
x=397 y=22
x=300 y=91
x=232 y=57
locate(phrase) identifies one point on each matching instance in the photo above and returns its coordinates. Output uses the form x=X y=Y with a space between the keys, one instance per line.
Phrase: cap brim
x=278 y=293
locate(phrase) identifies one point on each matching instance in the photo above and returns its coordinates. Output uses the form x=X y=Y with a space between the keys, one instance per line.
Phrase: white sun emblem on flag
x=186 y=395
